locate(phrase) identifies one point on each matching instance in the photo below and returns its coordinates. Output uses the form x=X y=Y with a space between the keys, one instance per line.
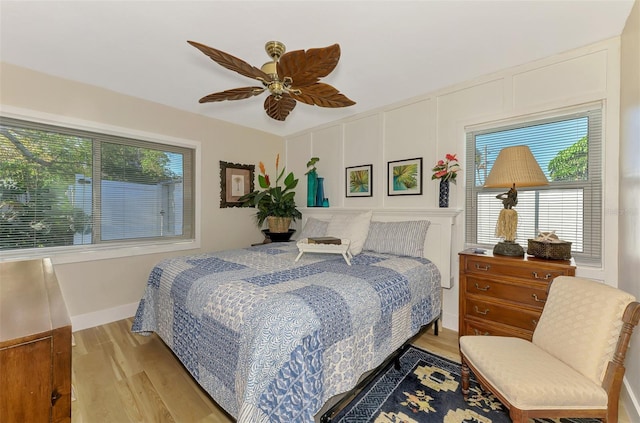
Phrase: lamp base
x=508 y=248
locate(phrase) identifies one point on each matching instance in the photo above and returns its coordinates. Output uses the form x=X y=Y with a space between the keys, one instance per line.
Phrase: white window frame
x=594 y=195
x=112 y=250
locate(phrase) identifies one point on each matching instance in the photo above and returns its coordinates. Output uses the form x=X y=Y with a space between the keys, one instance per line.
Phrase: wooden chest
x=35 y=345
x=502 y=295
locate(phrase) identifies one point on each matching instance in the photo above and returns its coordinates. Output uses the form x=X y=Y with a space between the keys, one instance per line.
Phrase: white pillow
x=314 y=228
x=353 y=228
x=404 y=238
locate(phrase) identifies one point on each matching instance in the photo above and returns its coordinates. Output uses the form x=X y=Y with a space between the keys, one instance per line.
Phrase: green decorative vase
x=312 y=188
x=320 y=192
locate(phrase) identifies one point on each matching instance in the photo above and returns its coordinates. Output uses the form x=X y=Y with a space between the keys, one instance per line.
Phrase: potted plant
x=276 y=204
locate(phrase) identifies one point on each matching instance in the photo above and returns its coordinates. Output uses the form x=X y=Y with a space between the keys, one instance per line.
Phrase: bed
x=271 y=338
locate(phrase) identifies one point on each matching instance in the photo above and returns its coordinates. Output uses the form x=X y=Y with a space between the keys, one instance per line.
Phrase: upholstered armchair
x=574 y=364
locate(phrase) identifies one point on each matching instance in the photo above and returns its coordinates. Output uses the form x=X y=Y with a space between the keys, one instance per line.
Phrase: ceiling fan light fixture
x=276 y=87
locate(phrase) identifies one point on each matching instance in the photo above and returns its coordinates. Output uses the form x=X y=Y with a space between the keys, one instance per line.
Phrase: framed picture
x=236 y=180
x=359 y=181
x=404 y=177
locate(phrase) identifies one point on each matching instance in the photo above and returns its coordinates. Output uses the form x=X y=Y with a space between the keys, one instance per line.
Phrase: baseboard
x=630 y=402
x=101 y=317
x=449 y=321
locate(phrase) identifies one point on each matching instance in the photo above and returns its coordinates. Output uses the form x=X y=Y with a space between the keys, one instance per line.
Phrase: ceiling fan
x=289 y=77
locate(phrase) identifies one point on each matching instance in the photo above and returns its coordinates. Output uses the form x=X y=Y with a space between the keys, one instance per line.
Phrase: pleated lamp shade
x=515 y=165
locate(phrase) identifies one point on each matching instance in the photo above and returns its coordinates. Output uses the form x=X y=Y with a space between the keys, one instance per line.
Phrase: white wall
x=100 y=287
x=432 y=125
x=629 y=205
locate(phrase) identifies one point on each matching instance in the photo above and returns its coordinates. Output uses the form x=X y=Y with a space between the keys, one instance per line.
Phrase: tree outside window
x=62 y=187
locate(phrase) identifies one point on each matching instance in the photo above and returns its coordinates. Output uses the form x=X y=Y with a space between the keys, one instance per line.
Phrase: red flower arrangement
x=446 y=169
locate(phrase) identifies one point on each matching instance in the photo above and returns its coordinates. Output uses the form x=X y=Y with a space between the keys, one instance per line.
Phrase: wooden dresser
x=502 y=295
x=35 y=344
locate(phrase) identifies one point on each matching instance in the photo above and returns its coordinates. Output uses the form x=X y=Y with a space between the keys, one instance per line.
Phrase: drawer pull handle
x=486 y=288
x=480 y=333
x=545 y=278
x=485 y=312
x=487 y=267
x=535 y=298
x=535 y=322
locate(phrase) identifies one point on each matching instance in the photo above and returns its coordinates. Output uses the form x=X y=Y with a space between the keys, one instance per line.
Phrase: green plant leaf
x=290 y=181
x=262 y=181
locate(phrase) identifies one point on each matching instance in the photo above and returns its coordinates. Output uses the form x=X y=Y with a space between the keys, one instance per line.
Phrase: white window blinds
x=63 y=187
x=568 y=149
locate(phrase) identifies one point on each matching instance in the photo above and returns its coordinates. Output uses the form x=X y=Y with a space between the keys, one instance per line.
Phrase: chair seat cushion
x=528 y=377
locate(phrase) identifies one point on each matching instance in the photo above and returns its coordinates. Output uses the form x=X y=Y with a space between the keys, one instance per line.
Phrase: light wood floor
x=123 y=377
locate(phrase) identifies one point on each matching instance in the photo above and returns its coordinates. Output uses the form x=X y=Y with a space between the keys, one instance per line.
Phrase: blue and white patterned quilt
x=271 y=340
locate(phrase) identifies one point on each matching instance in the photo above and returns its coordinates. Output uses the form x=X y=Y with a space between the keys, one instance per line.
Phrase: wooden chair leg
x=516 y=416
x=465 y=380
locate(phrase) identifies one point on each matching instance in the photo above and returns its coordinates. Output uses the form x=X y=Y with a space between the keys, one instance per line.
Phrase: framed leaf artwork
x=404 y=177
x=359 y=181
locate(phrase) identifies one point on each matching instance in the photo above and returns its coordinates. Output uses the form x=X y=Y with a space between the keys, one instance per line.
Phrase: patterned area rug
x=426 y=389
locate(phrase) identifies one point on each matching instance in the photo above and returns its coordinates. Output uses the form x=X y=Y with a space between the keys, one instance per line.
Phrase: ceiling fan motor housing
x=270 y=68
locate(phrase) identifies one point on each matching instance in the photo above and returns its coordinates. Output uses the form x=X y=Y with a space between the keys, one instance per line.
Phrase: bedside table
x=501 y=295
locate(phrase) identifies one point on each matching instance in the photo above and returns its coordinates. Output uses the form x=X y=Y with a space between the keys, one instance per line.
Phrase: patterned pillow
x=401 y=238
x=353 y=228
x=314 y=227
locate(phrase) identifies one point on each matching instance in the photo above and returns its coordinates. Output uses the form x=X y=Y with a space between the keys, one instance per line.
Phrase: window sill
x=100 y=252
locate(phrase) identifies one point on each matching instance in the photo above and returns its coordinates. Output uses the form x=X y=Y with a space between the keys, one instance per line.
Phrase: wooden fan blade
x=279 y=109
x=323 y=95
x=307 y=67
x=234 y=94
x=231 y=62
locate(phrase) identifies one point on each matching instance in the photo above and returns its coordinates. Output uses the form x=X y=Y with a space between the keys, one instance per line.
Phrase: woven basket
x=278 y=224
x=549 y=250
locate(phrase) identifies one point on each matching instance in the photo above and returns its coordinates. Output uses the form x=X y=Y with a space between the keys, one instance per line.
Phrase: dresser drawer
x=531 y=294
x=496 y=312
x=512 y=268
x=472 y=327
x=504 y=296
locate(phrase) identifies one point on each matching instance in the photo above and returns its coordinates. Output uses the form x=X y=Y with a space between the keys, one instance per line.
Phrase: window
x=568 y=149
x=62 y=187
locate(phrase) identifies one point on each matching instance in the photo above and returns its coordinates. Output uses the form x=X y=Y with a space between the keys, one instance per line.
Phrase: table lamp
x=515 y=166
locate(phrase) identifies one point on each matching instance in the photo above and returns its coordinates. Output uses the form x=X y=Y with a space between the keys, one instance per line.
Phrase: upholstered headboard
x=438 y=242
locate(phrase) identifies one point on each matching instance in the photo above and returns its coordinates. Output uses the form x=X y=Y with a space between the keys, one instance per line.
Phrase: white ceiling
x=391 y=50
